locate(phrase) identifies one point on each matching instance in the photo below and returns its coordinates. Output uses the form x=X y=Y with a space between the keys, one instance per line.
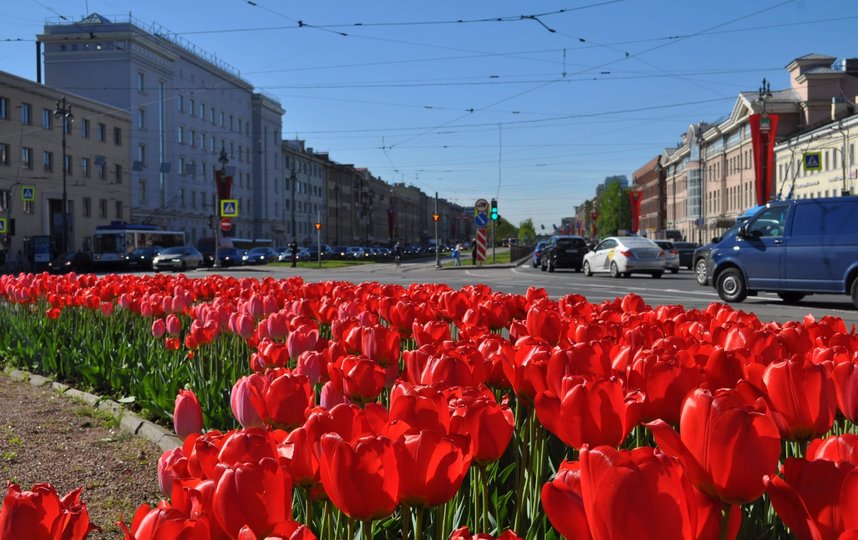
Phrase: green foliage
x=614 y=210
x=526 y=231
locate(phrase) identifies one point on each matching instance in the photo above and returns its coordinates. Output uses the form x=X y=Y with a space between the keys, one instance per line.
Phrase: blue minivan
x=793 y=248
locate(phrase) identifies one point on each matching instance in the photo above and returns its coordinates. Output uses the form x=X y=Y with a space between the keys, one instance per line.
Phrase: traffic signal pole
x=494 y=216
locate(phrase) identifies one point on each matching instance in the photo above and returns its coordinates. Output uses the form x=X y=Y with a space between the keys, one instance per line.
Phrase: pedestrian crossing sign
x=229 y=208
x=813 y=161
x=3 y=225
x=28 y=193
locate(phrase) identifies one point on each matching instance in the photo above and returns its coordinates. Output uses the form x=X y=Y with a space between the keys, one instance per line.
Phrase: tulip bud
x=158 y=328
x=187 y=414
x=174 y=325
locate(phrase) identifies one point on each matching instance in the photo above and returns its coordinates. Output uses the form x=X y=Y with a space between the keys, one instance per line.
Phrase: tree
x=526 y=231
x=505 y=229
x=614 y=209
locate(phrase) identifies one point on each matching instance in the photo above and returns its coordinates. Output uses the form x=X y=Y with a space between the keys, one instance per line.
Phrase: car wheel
x=854 y=291
x=700 y=272
x=791 y=297
x=615 y=271
x=658 y=274
x=674 y=270
x=550 y=267
x=542 y=267
x=731 y=285
x=627 y=274
x=534 y=264
x=588 y=272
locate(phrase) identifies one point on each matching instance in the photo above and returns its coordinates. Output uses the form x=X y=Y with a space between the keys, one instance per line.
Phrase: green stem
x=725 y=521
x=308 y=510
x=484 y=487
x=350 y=529
x=367 y=529
x=418 y=528
x=406 y=521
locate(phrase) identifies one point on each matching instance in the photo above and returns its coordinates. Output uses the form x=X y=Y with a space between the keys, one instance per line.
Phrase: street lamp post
x=765 y=92
x=219 y=178
x=63 y=111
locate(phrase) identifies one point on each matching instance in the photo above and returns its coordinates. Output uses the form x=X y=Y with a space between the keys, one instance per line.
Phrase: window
x=239 y=125
x=180 y=103
x=182 y=198
x=117 y=136
x=221 y=117
x=26 y=113
x=193 y=138
x=118 y=210
x=141 y=79
x=141 y=118
x=191 y=105
x=240 y=153
x=27 y=158
x=87 y=207
x=212 y=144
x=117 y=173
x=101 y=170
x=141 y=153
x=85 y=168
x=4 y=109
x=84 y=128
x=102 y=208
x=67 y=164
x=193 y=199
x=4 y=154
x=181 y=166
x=212 y=115
x=180 y=135
x=202 y=111
x=47 y=119
x=48 y=161
x=102 y=133
x=230 y=122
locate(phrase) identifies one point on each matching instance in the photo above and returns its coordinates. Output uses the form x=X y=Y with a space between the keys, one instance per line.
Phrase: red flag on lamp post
x=635 y=204
x=764 y=128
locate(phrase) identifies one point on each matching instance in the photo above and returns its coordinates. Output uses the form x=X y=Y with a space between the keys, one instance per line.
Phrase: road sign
x=481 y=205
x=481 y=219
x=812 y=161
x=229 y=208
x=3 y=227
x=28 y=193
x=225 y=224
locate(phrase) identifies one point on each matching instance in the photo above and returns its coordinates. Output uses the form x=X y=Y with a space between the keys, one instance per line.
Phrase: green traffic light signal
x=494 y=213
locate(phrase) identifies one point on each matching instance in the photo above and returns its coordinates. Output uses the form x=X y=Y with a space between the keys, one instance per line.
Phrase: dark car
x=536 y=257
x=701 y=254
x=261 y=255
x=141 y=258
x=686 y=253
x=78 y=262
x=563 y=252
x=230 y=257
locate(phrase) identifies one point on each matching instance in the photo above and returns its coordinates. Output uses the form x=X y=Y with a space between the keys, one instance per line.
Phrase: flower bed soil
x=47 y=437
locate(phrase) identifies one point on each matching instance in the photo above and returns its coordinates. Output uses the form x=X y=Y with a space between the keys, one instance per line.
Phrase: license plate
x=571 y=250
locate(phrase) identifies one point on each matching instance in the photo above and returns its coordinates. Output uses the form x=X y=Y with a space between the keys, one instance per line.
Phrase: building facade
x=186 y=106
x=649 y=180
x=97 y=165
x=305 y=191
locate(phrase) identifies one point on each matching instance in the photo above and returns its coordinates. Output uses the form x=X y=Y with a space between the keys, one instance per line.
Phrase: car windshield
x=259 y=251
x=173 y=251
x=570 y=242
x=664 y=245
x=632 y=241
x=139 y=252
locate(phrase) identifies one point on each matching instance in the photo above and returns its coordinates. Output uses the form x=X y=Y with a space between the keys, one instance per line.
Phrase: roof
x=95 y=18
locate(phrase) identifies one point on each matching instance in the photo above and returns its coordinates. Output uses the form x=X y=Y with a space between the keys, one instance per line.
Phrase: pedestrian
x=457 y=254
x=474 y=252
x=397 y=254
x=293 y=246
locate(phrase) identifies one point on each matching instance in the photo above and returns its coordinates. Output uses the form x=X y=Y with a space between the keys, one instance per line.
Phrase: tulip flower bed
x=340 y=410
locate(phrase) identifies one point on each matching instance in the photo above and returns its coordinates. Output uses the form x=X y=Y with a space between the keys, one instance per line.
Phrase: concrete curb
x=128 y=421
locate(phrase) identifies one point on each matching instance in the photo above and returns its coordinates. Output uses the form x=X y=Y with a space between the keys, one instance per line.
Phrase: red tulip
x=303 y=338
x=172 y=465
x=464 y=533
x=544 y=322
x=187 y=414
x=421 y=407
x=431 y=467
x=430 y=332
x=665 y=380
x=835 y=448
x=256 y=494
x=727 y=442
x=247 y=445
x=246 y=401
x=594 y=412
x=640 y=493
x=803 y=399
x=489 y=424
x=563 y=504
x=381 y=344
x=159 y=328
x=361 y=379
x=173 y=325
x=845 y=377
x=816 y=499
x=287 y=398
x=41 y=514
x=165 y=523
x=361 y=479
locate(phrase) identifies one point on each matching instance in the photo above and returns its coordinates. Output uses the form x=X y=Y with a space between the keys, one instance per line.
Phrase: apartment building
x=97 y=165
x=649 y=180
x=305 y=184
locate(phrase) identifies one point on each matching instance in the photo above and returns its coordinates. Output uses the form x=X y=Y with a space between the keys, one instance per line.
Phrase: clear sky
x=530 y=102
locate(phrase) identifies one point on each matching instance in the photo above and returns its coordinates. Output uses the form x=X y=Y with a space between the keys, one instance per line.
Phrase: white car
x=625 y=255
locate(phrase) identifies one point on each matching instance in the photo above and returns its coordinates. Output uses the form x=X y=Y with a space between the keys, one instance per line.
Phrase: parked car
x=671 y=255
x=141 y=258
x=303 y=254
x=701 y=254
x=339 y=252
x=355 y=252
x=686 y=253
x=563 y=252
x=536 y=257
x=230 y=257
x=261 y=255
x=625 y=255
x=327 y=252
x=792 y=248
x=178 y=258
x=284 y=254
x=79 y=262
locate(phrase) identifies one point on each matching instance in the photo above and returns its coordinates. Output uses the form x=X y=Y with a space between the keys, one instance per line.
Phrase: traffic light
x=318 y=226
x=436 y=217
x=494 y=210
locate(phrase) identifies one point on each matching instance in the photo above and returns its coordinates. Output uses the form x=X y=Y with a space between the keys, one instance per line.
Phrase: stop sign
x=225 y=224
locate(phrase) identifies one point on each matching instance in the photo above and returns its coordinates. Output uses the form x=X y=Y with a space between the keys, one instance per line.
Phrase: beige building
x=97 y=166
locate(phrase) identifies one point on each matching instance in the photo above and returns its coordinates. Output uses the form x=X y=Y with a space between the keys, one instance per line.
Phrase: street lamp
x=765 y=92
x=219 y=179
x=63 y=111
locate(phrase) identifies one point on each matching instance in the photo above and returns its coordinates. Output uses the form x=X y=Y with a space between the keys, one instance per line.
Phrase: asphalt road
x=670 y=289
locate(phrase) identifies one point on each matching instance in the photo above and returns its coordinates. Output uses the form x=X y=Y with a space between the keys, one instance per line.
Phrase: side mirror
x=716 y=239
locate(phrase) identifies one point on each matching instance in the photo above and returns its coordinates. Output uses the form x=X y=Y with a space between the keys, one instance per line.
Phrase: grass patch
x=104 y=418
x=501 y=257
x=325 y=264
x=8 y=455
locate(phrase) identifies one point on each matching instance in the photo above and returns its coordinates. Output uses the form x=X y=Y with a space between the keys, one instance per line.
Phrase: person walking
x=457 y=254
x=294 y=247
x=397 y=254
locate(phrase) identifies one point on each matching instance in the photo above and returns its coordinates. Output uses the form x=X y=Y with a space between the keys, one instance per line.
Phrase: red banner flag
x=223 y=184
x=764 y=130
x=635 y=203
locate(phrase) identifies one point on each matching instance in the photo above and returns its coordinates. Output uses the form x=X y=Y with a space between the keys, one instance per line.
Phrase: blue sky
x=530 y=102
